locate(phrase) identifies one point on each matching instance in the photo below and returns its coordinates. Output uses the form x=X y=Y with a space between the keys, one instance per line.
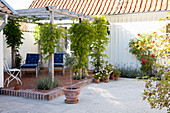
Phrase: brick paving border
x=33 y=94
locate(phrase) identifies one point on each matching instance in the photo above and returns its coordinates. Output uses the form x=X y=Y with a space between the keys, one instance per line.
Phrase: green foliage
x=46 y=84
x=97 y=75
x=100 y=41
x=37 y=34
x=142 y=48
x=13 y=37
x=81 y=35
x=70 y=61
x=49 y=39
x=13 y=33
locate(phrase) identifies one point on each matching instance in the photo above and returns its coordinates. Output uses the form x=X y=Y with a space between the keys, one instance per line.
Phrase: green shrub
x=46 y=84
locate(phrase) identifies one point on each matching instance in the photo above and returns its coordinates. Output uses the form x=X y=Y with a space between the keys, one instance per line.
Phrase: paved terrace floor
x=123 y=96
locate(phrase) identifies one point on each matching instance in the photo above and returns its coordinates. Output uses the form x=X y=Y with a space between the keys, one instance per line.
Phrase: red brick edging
x=33 y=94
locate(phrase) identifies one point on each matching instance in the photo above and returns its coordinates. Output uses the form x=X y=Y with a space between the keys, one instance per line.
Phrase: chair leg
x=36 y=72
x=20 y=74
x=63 y=71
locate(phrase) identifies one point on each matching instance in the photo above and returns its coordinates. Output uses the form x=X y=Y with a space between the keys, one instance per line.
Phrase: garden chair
x=59 y=61
x=31 y=64
x=13 y=74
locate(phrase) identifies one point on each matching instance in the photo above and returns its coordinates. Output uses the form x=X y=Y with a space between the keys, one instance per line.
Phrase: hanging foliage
x=13 y=37
x=81 y=35
x=100 y=41
x=49 y=39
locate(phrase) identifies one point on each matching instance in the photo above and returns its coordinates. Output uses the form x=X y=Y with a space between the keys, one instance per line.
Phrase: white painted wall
x=27 y=47
x=125 y=27
x=1 y=61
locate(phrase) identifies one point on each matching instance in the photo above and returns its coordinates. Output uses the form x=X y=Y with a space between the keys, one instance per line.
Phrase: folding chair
x=59 y=61
x=32 y=63
x=11 y=73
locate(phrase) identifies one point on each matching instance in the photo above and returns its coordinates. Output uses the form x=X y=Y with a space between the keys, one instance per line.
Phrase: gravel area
x=122 y=96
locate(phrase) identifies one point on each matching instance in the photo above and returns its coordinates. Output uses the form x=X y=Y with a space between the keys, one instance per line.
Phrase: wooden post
x=51 y=60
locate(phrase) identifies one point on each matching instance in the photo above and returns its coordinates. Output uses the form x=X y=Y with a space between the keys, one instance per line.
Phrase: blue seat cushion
x=58 y=57
x=32 y=58
x=29 y=65
x=58 y=64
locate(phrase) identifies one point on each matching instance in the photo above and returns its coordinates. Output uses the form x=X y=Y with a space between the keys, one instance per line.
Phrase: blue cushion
x=58 y=64
x=58 y=57
x=32 y=58
x=29 y=65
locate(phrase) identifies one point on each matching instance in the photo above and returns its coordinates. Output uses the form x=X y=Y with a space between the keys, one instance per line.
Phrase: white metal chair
x=11 y=73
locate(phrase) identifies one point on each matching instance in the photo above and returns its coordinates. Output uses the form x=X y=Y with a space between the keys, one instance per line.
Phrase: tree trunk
x=13 y=56
x=51 y=67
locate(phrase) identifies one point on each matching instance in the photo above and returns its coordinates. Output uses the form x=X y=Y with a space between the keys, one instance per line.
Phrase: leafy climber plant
x=100 y=41
x=81 y=35
x=49 y=40
x=13 y=37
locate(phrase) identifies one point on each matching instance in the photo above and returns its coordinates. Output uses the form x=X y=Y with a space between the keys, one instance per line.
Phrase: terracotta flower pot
x=102 y=79
x=116 y=77
x=106 y=80
x=97 y=81
x=16 y=87
x=111 y=76
x=71 y=94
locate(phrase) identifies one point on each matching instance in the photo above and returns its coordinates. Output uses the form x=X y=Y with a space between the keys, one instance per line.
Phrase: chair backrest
x=58 y=57
x=32 y=58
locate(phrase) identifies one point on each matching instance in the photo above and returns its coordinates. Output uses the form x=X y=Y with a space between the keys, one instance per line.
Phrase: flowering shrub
x=97 y=75
x=158 y=95
x=116 y=72
x=142 y=46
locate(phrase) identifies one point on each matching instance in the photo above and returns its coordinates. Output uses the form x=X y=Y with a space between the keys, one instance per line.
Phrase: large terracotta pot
x=116 y=77
x=111 y=76
x=97 y=81
x=71 y=94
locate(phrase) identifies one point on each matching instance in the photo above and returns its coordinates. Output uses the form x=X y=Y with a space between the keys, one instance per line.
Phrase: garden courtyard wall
x=122 y=28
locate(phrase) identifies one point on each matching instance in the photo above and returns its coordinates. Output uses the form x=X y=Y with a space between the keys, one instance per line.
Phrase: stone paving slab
x=123 y=96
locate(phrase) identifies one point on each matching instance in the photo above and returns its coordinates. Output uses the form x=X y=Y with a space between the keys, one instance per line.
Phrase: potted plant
x=71 y=93
x=116 y=73
x=97 y=77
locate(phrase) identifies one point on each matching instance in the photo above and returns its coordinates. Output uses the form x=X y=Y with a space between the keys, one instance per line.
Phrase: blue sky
x=19 y=4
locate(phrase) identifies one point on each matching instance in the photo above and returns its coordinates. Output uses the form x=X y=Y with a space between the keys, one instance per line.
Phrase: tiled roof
x=6 y=8
x=99 y=7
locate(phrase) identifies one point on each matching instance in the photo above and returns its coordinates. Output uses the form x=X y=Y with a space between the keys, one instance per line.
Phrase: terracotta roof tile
x=97 y=7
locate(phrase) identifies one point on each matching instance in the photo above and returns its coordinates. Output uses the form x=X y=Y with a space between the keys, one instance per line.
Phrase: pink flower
x=142 y=58
x=143 y=61
x=138 y=34
x=153 y=55
x=153 y=41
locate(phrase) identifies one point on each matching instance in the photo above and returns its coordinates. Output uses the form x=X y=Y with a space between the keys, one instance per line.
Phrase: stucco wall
x=27 y=47
x=1 y=60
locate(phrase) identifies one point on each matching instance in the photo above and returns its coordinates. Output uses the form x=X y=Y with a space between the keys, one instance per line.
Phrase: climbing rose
x=153 y=55
x=143 y=61
x=142 y=58
x=138 y=34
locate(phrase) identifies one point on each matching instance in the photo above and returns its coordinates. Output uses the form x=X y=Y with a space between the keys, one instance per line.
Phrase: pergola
x=50 y=12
